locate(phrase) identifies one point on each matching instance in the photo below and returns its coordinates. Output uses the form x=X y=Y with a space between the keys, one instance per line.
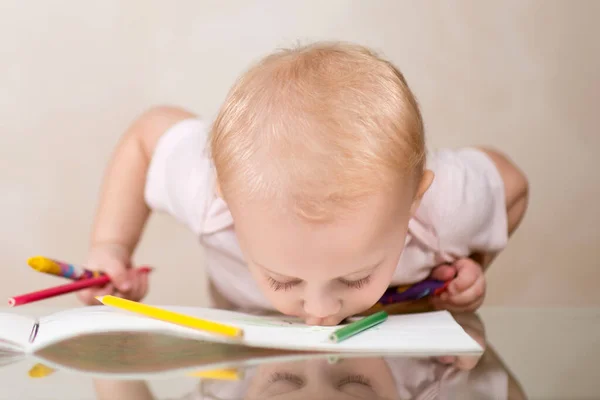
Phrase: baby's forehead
x=289 y=243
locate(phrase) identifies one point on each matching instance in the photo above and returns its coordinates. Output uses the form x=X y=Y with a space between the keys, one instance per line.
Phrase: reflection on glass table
x=529 y=353
x=330 y=377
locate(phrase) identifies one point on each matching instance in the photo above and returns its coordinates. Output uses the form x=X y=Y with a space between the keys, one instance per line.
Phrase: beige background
x=519 y=75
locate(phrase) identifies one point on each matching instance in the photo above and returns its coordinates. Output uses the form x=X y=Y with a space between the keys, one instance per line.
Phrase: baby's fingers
x=443 y=272
x=120 y=276
x=472 y=294
x=140 y=285
x=439 y=304
x=467 y=273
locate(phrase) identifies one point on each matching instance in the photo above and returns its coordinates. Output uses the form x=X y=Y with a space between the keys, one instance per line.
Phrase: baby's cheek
x=356 y=301
x=372 y=296
x=286 y=303
x=363 y=299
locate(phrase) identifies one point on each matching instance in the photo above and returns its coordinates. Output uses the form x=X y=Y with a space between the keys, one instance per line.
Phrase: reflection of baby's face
x=358 y=378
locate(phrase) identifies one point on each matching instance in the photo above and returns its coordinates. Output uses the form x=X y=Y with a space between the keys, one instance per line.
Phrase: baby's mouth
x=327 y=321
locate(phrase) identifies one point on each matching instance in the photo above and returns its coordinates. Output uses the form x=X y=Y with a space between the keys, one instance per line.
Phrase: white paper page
x=426 y=333
x=65 y=324
x=14 y=331
x=59 y=326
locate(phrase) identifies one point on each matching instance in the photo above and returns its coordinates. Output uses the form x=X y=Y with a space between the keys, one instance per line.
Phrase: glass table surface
x=529 y=354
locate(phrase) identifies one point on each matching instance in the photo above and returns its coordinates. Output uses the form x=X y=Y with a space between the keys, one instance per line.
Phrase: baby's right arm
x=122 y=211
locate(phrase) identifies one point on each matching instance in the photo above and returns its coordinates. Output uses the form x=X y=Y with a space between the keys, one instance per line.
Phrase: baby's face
x=324 y=272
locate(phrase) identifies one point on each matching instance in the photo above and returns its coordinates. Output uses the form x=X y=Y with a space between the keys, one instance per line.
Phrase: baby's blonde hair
x=319 y=128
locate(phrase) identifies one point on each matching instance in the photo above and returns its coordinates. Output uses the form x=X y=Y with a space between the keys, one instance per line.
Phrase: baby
x=312 y=192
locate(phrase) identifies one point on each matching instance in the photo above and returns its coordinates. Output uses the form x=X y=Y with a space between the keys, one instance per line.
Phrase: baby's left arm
x=516 y=192
x=467 y=289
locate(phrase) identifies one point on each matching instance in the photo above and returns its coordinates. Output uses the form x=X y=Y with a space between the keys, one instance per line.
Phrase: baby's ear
x=426 y=181
x=218 y=190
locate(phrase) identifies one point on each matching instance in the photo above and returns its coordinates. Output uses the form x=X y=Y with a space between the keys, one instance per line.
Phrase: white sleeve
x=180 y=177
x=465 y=205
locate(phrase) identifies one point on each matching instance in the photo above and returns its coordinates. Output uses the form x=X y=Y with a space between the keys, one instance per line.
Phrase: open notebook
x=418 y=334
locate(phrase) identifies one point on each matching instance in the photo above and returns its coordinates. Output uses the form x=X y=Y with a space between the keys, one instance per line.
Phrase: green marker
x=358 y=326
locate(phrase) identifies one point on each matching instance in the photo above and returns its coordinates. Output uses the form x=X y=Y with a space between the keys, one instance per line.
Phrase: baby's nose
x=321 y=307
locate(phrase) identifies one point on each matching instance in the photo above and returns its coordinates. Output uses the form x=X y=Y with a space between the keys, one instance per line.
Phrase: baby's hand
x=115 y=261
x=466 y=291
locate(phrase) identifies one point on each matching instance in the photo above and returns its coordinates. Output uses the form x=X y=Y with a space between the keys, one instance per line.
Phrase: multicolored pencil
x=416 y=291
x=60 y=268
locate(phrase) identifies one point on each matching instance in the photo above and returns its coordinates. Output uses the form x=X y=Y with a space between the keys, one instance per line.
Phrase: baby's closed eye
x=287 y=285
x=358 y=283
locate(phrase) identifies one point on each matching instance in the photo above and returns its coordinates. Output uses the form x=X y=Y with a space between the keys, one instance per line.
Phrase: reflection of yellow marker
x=218 y=374
x=172 y=317
x=40 y=371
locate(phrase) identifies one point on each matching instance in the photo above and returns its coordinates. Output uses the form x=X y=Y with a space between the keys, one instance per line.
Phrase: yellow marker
x=218 y=374
x=170 y=316
x=40 y=371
